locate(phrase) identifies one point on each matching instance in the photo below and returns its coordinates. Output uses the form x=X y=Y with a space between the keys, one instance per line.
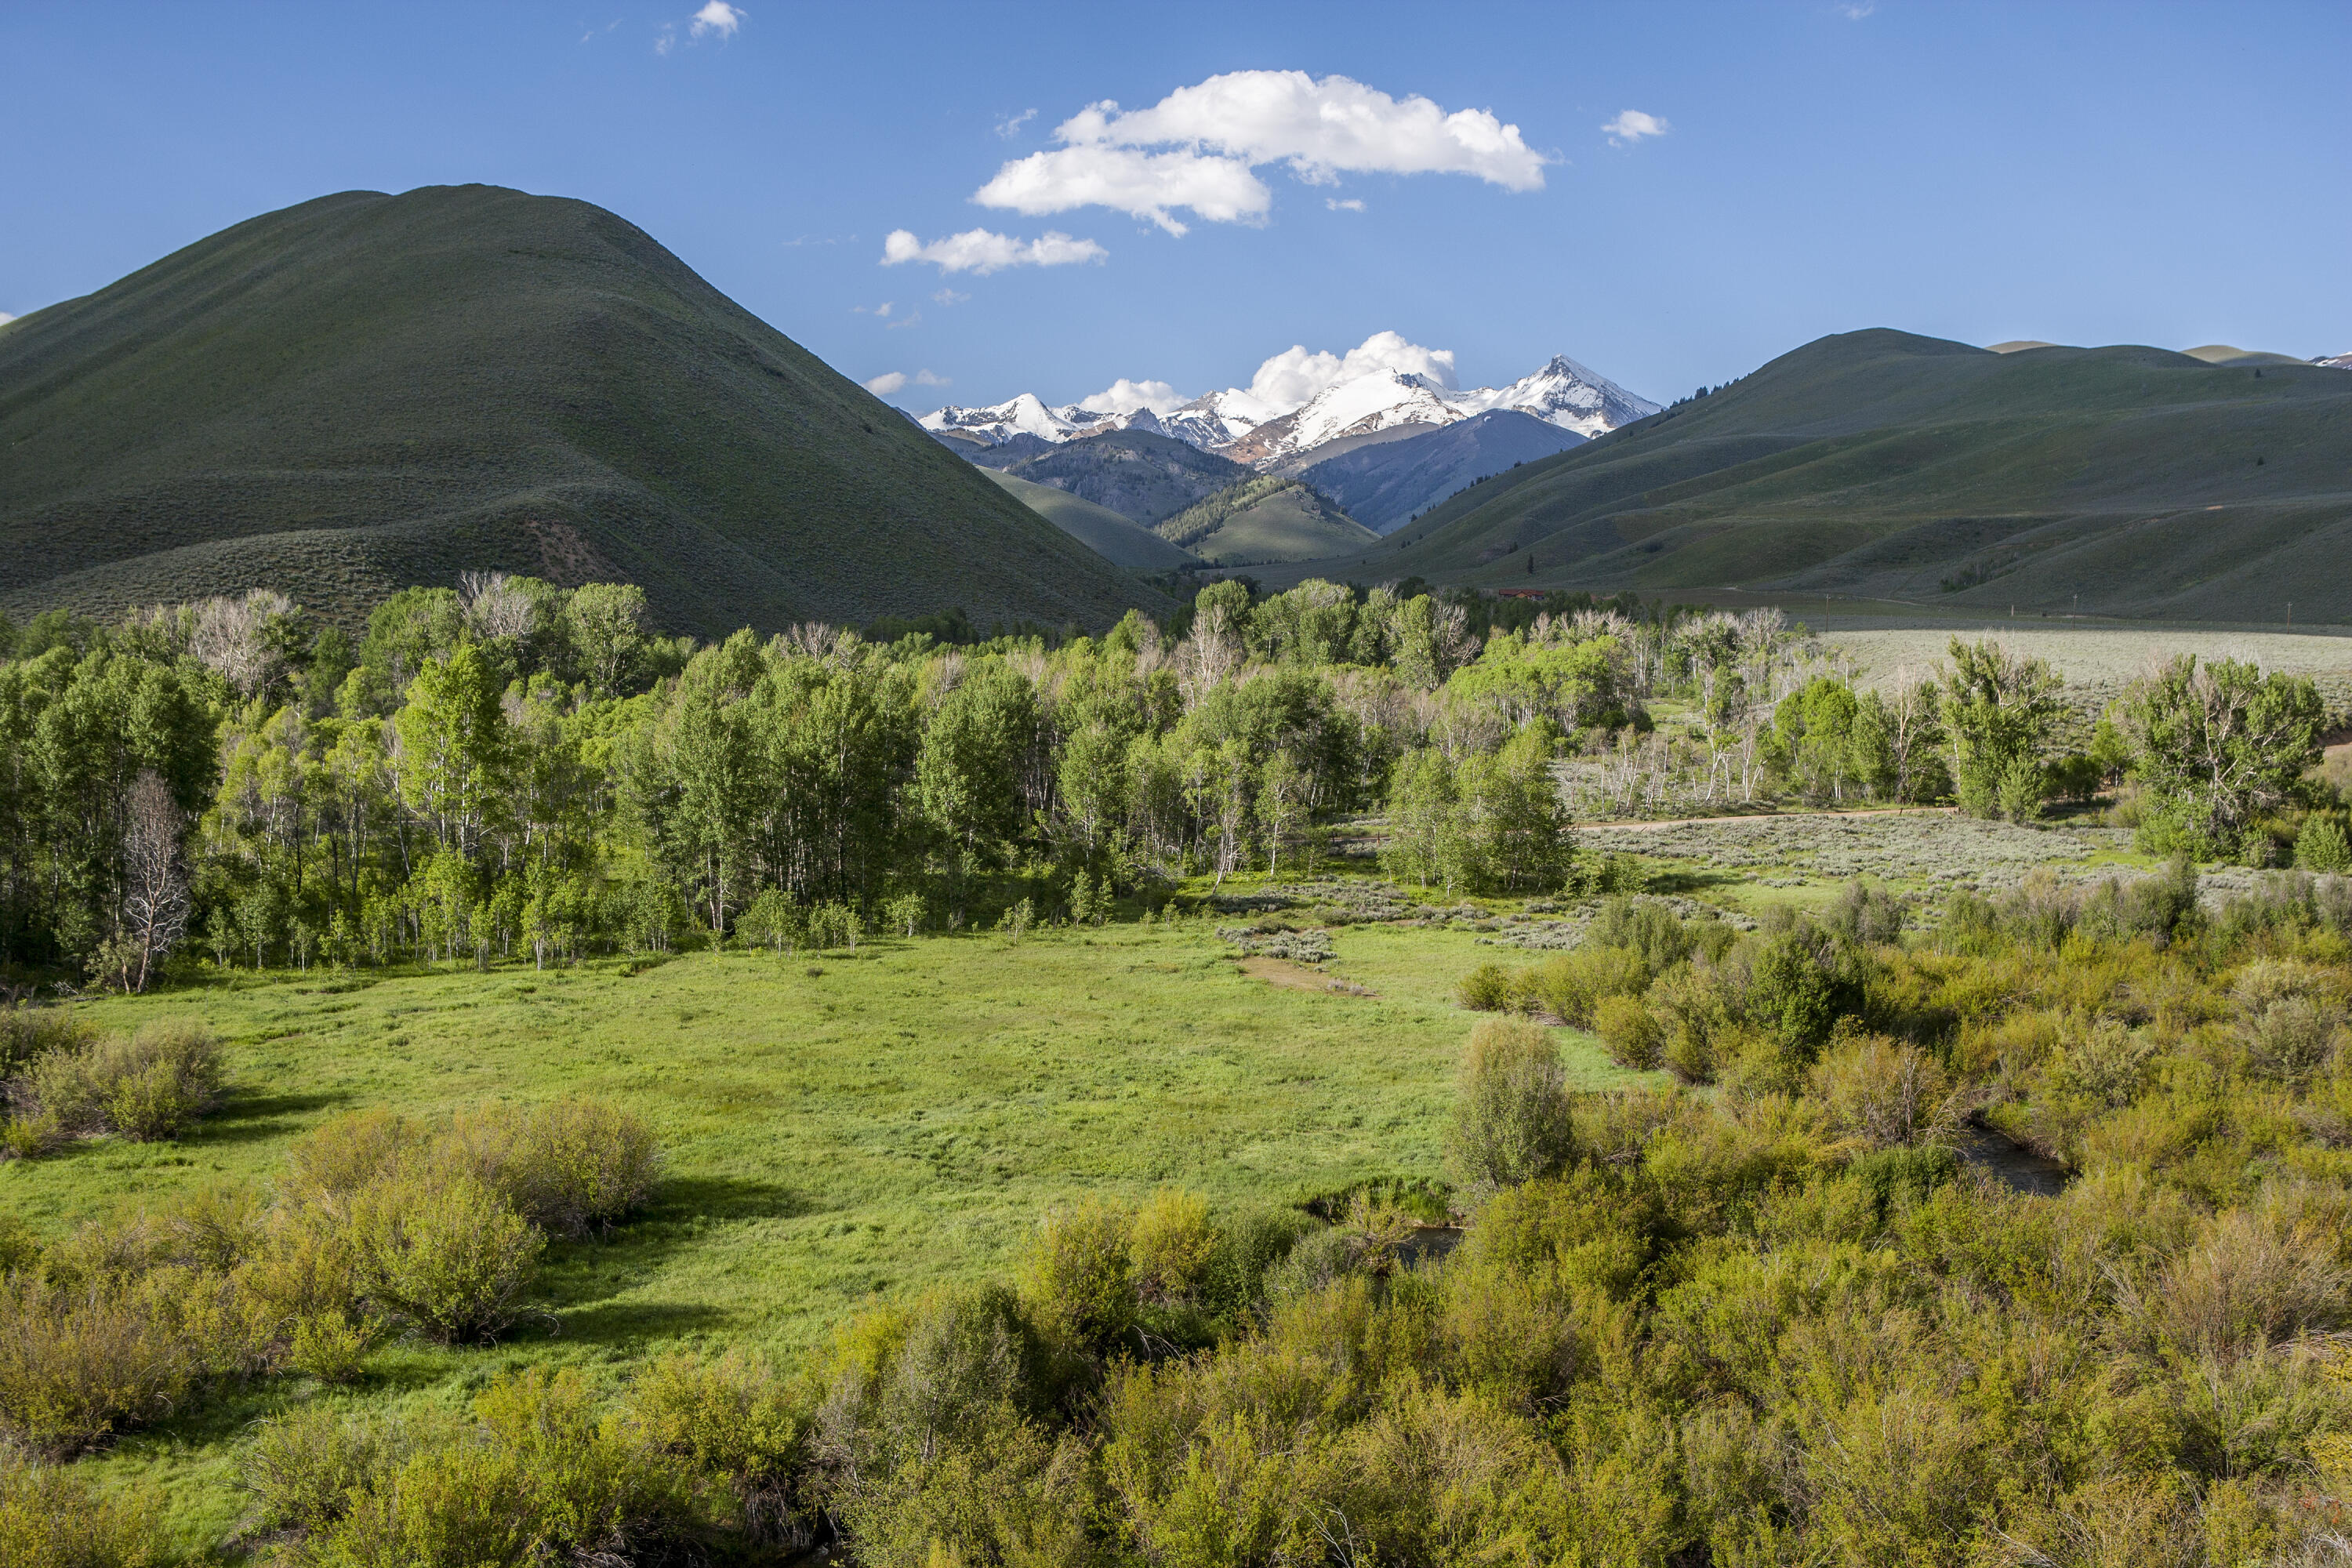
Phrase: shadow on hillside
x=247 y=1118
x=1693 y=879
x=632 y=1325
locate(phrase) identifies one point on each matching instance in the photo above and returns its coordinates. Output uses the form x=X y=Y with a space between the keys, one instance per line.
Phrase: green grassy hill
x=1265 y=519
x=1883 y=465
x=1118 y=540
x=367 y=391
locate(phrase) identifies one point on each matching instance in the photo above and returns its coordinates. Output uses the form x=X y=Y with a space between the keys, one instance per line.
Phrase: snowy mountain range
x=1299 y=405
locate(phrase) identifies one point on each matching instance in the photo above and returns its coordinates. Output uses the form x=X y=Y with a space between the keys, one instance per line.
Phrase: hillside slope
x=1384 y=486
x=1120 y=540
x=1138 y=475
x=369 y=391
x=1265 y=519
x=1884 y=465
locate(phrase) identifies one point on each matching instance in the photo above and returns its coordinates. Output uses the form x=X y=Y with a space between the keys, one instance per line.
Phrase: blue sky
x=2083 y=173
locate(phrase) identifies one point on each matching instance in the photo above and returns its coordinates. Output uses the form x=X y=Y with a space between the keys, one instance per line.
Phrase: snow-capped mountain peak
x=1262 y=425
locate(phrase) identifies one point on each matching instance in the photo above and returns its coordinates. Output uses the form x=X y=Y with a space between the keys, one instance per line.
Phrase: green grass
x=899 y=1120
x=1265 y=518
x=1118 y=540
x=367 y=392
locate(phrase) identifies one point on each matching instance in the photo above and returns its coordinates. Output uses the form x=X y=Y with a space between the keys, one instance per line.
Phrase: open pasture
x=837 y=1127
x=2096 y=656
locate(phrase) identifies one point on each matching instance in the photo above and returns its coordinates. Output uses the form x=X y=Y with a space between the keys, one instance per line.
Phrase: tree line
x=509 y=768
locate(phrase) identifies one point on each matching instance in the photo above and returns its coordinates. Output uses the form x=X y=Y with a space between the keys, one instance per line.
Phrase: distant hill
x=1138 y=475
x=1265 y=519
x=369 y=391
x=1120 y=540
x=1881 y=463
x=1382 y=486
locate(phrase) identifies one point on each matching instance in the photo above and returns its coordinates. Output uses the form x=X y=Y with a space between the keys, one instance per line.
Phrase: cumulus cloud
x=1350 y=206
x=1010 y=126
x=1124 y=396
x=719 y=17
x=984 y=251
x=1214 y=134
x=894 y=381
x=1294 y=376
x=1632 y=126
x=948 y=297
x=1142 y=184
x=884 y=308
x=6 y=317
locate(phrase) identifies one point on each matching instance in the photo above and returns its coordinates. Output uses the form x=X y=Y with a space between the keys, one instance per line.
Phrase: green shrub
x=337 y=1158
x=1629 y=1033
x=29 y=1033
x=1867 y=913
x=145 y=1088
x=1886 y=1094
x=1571 y=986
x=1511 y=1120
x=1172 y=1244
x=52 y=1518
x=734 y=1418
x=81 y=1362
x=1077 y=1276
x=538 y=1478
x=303 y=1466
x=443 y=1253
x=1489 y=988
x=571 y=1166
x=2322 y=846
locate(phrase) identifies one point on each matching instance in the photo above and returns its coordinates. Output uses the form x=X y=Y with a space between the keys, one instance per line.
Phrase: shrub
x=1791 y=993
x=443 y=1253
x=1886 y=1093
x=52 y=1518
x=734 y=1418
x=1078 y=1274
x=2322 y=846
x=1489 y=988
x=570 y=1166
x=80 y=1362
x=1511 y=1120
x=1867 y=913
x=538 y=1478
x=2255 y=1280
x=29 y=1033
x=1172 y=1244
x=304 y=1466
x=145 y=1088
x=1570 y=986
x=338 y=1158
x=1630 y=1034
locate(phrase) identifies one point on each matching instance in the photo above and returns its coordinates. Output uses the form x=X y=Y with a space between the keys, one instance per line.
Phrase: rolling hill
x=1884 y=465
x=1265 y=519
x=371 y=391
x=1382 y=486
x=1120 y=540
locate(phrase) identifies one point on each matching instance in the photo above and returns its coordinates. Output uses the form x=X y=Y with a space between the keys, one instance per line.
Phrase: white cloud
x=6 y=317
x=1142 y=184
x=1350 y=206
x=913 y=321
x=894 y=381
x=1857 y=11
x=1010 y=126
x=948 y=297
x=1292 y=377
x=720 y=17
x=984 y=251
x=1632 y=126
x=883 y=309
x=668 y=41
x=1125 y=397
x=1215 y=133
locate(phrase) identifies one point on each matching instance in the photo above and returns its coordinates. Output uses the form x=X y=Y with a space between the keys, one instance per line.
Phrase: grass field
x=2094 y=655
x=837 y=1128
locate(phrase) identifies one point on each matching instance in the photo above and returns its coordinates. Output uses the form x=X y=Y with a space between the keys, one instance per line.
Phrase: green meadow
x=838 y=1127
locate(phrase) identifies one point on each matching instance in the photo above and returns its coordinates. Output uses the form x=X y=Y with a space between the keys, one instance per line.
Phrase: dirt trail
x=1289 y=977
